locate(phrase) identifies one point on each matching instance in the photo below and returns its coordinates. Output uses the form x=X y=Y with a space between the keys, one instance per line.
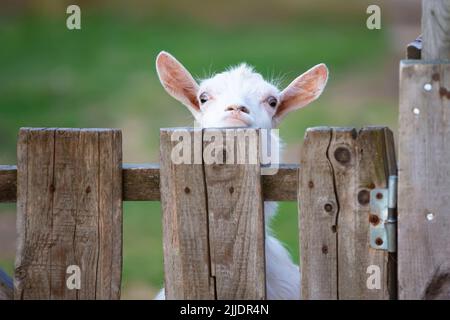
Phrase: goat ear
x=177 y=81
x=303 y=90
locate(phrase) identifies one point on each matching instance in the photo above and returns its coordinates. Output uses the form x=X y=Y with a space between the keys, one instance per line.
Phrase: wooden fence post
x=213 y=225
x=338 y=168
x=236 y=218
x=424 y=162
x=69 y=213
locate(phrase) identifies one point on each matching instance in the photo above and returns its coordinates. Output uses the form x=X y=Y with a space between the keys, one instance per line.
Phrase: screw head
x=379 y=241
x=427 y=87
x=374 y=219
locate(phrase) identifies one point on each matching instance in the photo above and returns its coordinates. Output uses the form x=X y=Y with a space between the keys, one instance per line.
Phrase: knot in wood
x=342 y=155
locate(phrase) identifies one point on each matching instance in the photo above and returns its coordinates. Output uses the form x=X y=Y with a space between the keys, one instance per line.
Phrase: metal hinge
x=383 y=217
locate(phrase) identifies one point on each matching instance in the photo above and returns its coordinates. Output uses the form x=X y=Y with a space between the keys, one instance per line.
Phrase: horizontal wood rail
x=141 y=183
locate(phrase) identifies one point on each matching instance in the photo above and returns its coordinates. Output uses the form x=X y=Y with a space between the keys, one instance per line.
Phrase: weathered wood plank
x=339 y=167
x=283 y=185
x=185 y=221
x=109 y=270
x=318 y=207
x=236 y=217
x=6 y=286
x=436 y=29
x=424 y=181
x=8 y=183
x=141 y=183
x=35 y=187
x=360 y=163
x=69 y=213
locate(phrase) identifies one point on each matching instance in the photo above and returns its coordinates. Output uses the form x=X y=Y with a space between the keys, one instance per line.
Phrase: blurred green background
x=103 y=76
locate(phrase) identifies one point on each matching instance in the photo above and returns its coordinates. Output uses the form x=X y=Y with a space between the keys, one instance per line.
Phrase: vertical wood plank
x=339 y=166
x=109 y=270
x=436 y=29
x=424 y=181
x=236 y=217
x=69 y=213
x=35 y=165
x=185 y=220
x=361 y=161
x=317 y=217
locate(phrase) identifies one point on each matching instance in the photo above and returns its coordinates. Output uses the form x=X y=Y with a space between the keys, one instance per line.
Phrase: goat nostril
x=238 y=108
x=243 y=109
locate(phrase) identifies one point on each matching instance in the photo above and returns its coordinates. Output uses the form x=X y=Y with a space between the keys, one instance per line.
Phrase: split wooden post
x=424 y=162
x=213 y=225
x=236 y=215
x=69 y=214
x=339 y=167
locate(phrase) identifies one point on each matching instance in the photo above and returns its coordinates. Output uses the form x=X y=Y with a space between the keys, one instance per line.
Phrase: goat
x=240 y=97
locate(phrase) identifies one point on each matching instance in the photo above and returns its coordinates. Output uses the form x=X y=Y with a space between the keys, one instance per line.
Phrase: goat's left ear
x=303 y=90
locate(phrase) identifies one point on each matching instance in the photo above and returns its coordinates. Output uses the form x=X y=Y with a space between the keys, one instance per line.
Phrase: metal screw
x=328 y=207
x=187 y=190
x=428 y=87
x=430 y=216
x=416 y=111
x=379 y=196
x=373 y=219
x=378 y=241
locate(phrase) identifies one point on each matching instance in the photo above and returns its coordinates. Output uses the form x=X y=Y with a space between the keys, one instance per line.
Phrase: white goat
x=240 y=97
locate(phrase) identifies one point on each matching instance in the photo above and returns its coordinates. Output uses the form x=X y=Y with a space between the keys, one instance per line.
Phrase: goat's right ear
x=177 y=81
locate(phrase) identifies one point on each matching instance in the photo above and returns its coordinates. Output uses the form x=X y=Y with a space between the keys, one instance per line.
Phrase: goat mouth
x=237 y=121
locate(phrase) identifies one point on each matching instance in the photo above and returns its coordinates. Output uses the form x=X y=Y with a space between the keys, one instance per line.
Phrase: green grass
x=104 y=76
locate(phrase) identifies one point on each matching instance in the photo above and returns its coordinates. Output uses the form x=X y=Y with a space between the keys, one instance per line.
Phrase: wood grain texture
x=424 y=176
x=361 y=161
x=339 y=167
x=69 y=213
x=185 y=223
x=318 y=207
x=8 y=183
x=6 y=286
x=436 y=29
x=236 y=218
x=141 y=183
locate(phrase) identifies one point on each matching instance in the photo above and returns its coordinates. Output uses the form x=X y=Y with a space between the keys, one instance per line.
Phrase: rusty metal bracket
x=383 y=217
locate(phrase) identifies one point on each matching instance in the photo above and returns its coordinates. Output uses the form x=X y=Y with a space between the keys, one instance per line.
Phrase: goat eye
x=203 y=97
x=272 y=101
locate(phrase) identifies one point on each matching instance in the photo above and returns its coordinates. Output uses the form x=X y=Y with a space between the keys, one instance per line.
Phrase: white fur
x=241 y=86
x=237 y=86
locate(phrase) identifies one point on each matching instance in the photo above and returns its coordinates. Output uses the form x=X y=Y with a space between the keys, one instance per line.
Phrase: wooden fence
x=69 y=185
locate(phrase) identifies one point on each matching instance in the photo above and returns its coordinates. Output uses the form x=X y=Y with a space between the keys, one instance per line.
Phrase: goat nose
x=237 y=108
